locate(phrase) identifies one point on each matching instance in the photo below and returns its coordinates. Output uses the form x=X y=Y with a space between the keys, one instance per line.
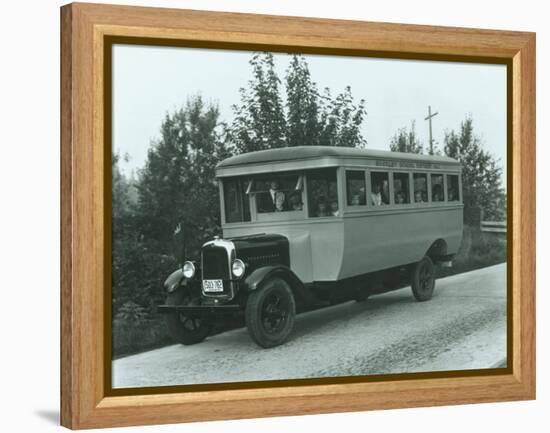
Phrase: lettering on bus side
x=406 y=164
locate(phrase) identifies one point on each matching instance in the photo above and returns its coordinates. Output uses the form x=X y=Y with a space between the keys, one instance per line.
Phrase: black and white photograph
x=275 y=216
x=280 y=216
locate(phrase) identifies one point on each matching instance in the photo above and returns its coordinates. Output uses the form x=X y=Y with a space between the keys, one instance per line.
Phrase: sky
x=149 y=81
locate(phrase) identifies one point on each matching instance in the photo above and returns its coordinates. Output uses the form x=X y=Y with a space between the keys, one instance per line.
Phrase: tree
x=137 y=272
x=121 y=199
x=481 y=174
x=406 y=141
x=259 y=121
x=313 y=119
x=177 y=188
x=302 y=103
x=341 y=120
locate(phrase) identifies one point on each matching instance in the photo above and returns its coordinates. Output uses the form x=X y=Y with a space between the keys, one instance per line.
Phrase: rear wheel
x=270 y=313
x=184 y=329
x=423 y=279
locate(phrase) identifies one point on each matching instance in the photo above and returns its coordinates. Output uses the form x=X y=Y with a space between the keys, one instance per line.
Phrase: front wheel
x=270 y=313
x=423 y=279
x=184 y=329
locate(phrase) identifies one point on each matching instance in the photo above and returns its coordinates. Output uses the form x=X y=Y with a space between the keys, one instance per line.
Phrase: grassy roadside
x=478 y=250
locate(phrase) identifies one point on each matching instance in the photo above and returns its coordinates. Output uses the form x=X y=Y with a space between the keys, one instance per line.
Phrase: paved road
x=462 y=327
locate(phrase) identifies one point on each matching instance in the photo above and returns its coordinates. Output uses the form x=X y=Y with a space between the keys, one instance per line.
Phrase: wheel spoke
x=273 y=314
x=190 y=323
x=184 y=321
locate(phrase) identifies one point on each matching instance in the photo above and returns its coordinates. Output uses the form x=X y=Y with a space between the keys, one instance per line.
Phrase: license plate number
x=212 y=285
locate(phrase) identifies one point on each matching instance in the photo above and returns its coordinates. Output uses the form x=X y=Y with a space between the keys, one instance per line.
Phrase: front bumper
x=202 y=310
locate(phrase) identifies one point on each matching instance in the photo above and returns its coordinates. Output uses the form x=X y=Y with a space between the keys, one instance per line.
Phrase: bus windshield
x=278 y=193
x=236 y=202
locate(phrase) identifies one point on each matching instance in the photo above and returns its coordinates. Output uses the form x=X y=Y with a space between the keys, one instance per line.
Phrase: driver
x=276 y=198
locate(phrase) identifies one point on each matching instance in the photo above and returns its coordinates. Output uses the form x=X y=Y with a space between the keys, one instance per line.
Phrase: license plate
x=212 y=285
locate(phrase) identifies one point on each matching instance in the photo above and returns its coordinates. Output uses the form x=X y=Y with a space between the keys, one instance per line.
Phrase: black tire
x=270 y=313
x=184 y=330
x=423 y=279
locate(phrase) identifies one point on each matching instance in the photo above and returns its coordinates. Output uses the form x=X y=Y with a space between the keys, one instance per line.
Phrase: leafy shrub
x=130 y=337
x=132 y=313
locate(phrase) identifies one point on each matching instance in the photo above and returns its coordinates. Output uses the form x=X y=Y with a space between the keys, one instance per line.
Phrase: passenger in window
x=399 y=198
x=295 y=202
x=358 y=199
x=453 y=196
x=437 y=193
x=334 y=209
x=418 y=197
x=322 y=210
x=376 y=195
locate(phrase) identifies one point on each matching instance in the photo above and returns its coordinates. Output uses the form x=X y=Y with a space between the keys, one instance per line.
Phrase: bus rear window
x=452 y=188
x=237 y=208
x=420 y=181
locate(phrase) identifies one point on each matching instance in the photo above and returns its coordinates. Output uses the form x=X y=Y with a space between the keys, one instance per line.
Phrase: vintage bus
x=311 y=225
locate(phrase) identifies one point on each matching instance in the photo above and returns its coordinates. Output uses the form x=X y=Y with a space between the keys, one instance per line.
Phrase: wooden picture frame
x=86 y=29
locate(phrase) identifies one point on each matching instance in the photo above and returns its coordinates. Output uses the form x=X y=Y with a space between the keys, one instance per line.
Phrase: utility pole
x=429 y=118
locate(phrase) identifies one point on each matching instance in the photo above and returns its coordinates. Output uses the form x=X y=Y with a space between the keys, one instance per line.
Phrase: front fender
x=258 y=276
x=174 y=280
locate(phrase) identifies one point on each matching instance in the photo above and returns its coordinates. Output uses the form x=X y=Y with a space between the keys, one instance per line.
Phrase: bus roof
x=306 y=157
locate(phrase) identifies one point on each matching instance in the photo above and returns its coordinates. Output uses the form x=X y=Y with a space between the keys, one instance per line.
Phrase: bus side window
x=401 y=188
x=356 y=188
x=452 y=187
x=420 y=181
x=380 y=186
x=437 y=187
x=322 y=193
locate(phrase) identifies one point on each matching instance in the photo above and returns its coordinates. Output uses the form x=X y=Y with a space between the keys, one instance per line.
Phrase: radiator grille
x=215 y=263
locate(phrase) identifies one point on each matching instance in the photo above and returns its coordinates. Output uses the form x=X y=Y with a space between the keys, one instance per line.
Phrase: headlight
x=188 y=270
x=238 y=268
